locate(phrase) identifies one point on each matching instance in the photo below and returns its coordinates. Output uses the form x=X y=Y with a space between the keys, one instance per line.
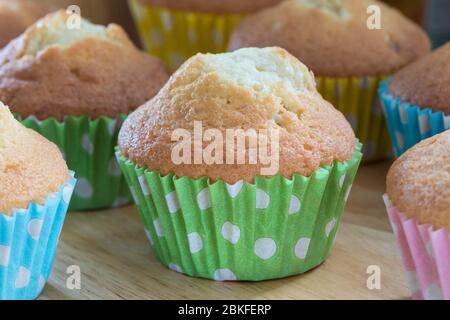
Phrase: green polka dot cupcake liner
x=357 y=99
x=88 y=148
x=409 y=124
x=28 y=242
x=272 y=228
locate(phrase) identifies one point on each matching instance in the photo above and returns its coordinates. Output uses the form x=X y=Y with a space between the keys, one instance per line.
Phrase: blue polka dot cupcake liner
x=88 y=148
x=409 y=124
x=272 y=228
x=28 y=241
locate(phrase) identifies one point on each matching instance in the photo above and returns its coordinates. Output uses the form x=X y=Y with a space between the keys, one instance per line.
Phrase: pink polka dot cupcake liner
x=88 y=148
x=409 y=124
x=425 y=253
x=272 y=228
x=28 y=241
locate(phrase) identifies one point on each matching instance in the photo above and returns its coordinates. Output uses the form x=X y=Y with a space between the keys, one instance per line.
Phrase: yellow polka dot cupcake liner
x=175 y=36
x=357 y=99
x=88 y=148
x=272 y=228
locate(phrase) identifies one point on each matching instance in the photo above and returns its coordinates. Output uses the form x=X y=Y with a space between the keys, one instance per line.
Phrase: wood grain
x=117 y=263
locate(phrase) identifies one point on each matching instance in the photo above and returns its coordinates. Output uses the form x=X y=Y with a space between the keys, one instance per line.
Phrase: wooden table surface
x=116 y=261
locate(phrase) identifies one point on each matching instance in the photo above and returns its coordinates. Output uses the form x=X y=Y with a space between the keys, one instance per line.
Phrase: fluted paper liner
x=270 y=229
x=409 y=124
x=175 y=36
x=88 y=148
x=28 y=241
x=357 y=99
x=425 y=253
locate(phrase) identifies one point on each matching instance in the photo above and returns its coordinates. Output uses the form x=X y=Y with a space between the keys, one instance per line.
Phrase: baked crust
x=418 y=183
x=213 y=6
x=31 y=167
x=332 y=38
x=426 y=82
x=231 y=91
x=98 y=74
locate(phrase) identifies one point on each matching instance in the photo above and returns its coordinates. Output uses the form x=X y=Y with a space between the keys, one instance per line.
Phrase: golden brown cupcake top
x=418 y=183
x=54 y=71
x=213 y=6
x=16 y=16
x=426 y=82
x=332 y=36
x=266 y=90
x=31 y=167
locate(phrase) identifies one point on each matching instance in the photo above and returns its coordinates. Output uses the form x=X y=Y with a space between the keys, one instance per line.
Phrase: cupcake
x=35 y=190
x=75 y=86
x=416 y=100
x=222 y=210
x=349 y=60
x=418 y=204
x=176 y=30
x=16 y=16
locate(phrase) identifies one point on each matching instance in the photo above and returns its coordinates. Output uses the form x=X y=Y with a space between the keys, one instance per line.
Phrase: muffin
x=176 y=30
x=193 y=209
x=16 y=16
x=418 y=204
x=35 y=190
x=75 y=86
x=416 y=100
x=349 y=60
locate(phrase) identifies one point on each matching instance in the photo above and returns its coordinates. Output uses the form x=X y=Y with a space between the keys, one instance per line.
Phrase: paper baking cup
x=425 y=253
x=271 y=229
x=88 y=147
x=357 y=99
x=175 y=36
x=28 y=240
x=409 y=124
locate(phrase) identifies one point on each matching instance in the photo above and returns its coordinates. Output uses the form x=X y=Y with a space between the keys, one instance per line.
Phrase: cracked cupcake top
x=418 y=183
x=332 y=36
x=261 y=89
x=55 y=71
x=31 y=167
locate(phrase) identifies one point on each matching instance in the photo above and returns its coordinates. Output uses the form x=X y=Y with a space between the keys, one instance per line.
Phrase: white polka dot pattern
x=265 y=248
x=234 y=189
x=204 y=199
x=34 y=228
x=23 y=278
x=195 y=242
x=224 y=275
x=158 y=228
x=5 y=252
x=84 y=189
x=231 y=232
x=172 y=202
x=301 y=248
x=295 y=205
x=262 y=199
